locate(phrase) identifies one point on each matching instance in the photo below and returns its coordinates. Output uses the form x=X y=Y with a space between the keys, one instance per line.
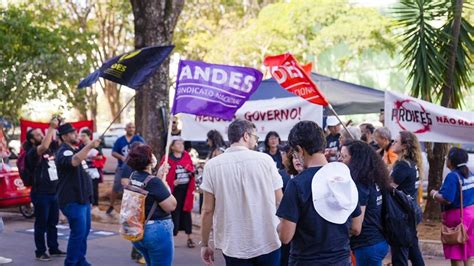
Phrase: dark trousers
x=47 y=217
x=95 y=191
x=285 y=254
x=270 y=259
x=181 y=219
x=79 y=218
x=401 y=255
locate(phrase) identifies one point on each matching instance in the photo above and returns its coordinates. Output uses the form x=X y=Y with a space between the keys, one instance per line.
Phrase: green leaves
x=425 y=28
x=39 y=60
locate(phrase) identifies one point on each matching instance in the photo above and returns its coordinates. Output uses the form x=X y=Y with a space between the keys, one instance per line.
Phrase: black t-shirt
x=371 y=197
x=332 y=141
x=277 y=159
x=39 y=167
x=405 y=175
x=285 y=177
x=316 y=241
x=157 y=191
x=75 y=185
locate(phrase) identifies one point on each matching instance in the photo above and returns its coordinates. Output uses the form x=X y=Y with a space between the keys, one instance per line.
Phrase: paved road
x=105 y=251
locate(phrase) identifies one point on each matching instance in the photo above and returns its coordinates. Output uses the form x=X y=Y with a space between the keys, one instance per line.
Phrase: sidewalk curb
x=432 y=248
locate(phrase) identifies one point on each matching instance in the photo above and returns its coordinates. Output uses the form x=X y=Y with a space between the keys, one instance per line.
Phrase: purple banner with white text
x=213 y=90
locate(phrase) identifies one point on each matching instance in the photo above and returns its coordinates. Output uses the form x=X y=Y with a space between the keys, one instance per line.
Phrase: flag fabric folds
x=130 y=69
x=213 y=90
x=294 y=78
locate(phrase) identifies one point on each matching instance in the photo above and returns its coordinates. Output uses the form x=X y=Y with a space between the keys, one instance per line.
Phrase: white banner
x=430 y=122
x=278 y=115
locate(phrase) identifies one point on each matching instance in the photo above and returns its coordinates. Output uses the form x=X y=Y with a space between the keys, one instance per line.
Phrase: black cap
x=65 y=128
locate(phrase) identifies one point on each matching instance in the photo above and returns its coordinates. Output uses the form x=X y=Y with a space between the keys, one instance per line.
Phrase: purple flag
x=213 y=90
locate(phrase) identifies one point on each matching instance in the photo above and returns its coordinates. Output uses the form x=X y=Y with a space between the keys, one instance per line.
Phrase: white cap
x=335 y=195
x=332 y=121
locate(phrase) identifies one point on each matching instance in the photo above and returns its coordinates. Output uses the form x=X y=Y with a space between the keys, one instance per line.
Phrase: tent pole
x=340 y=121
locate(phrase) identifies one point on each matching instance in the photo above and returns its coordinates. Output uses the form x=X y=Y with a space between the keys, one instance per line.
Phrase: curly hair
x=366 y=165
x=412 y=152
x=309 y=136
x=139 y=157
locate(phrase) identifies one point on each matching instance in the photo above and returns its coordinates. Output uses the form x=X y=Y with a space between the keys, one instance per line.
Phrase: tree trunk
x=113 y=98
x=437 y=157
x=154 y=22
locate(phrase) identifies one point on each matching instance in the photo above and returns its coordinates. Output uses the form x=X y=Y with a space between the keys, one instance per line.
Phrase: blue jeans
x=157 y=245
x=46 y=219
x=79 y=218
x=371 y=255
x=270 y=259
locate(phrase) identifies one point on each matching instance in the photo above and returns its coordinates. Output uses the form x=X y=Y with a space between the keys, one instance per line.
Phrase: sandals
x=191 y=244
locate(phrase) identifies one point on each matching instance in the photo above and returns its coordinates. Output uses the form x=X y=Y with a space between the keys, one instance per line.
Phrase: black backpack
x=399 y=218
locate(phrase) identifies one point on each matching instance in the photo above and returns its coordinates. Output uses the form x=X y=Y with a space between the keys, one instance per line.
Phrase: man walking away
x=242 y=189
x=40 y=162
x=75 y=192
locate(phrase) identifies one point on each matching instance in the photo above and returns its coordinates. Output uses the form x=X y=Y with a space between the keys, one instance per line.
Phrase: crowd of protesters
x=314 y=200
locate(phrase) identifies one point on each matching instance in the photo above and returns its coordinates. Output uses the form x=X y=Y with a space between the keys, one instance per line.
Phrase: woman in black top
x=370 y=176
x=157 y=245
x=405 y=173
x=272 y=140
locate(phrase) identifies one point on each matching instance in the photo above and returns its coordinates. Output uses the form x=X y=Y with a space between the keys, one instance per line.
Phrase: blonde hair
x=412 y=151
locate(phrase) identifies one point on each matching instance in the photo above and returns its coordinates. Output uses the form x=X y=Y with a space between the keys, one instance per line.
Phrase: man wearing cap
x=74 y=192
x=242 y=188
x=318 y=204
x=332 y=140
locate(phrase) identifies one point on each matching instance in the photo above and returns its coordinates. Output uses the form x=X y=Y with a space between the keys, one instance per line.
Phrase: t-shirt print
x=182 y=175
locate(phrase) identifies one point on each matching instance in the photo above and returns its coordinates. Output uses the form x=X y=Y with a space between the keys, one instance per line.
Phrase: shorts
x=117 y=187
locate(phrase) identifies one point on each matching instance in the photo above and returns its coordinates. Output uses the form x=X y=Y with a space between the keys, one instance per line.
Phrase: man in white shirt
x=242 y=189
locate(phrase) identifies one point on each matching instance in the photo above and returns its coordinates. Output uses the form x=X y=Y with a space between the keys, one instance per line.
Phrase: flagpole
x=168 y=138
x=340 y=121
x=117 y=116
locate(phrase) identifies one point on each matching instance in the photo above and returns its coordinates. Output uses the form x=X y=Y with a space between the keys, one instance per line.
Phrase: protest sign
x=278 y=115
x=430 y=122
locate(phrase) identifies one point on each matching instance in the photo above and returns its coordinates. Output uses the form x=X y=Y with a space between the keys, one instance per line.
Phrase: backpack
x=25 y=174
x=132 y=213
x=399 y=218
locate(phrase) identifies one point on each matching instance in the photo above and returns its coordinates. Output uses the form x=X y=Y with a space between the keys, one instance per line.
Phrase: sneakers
x=57 y=253
x=4 y=260
x=43 y=257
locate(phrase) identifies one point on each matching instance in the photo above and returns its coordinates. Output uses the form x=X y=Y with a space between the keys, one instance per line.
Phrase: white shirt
x=243 y=183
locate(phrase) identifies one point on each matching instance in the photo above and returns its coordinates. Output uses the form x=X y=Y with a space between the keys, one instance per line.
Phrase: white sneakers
x=4 y=260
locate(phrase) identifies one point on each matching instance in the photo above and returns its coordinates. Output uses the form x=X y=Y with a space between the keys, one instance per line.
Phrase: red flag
x=26 y=125
x=294 y=78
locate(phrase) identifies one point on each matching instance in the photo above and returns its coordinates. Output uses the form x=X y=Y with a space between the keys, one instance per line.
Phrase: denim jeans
x=79 y=218
x=157 y=245
x=46 y=219
x=270 y=259
x=371 y=255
